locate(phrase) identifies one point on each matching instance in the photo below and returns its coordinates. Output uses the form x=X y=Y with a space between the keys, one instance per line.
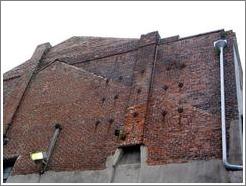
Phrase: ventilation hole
x=182 y=66
x=139 y=91
x=135 y=114
x=120 y=78
x=107 y=81
x=116 y=97
x=96 y=125
x=103 y=100
x=117 y=132
x=165 y=87
x=180 y=110
x=181 y=85
x=97 y=122
x=142 y=71
x=164 y=113
x=111 y=121
x=58 y=126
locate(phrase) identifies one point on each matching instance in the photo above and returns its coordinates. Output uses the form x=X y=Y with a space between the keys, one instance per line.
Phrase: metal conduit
x=220 y=44
x=51 y=147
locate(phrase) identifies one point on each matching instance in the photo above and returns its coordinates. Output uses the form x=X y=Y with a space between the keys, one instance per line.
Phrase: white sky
x=24 y=25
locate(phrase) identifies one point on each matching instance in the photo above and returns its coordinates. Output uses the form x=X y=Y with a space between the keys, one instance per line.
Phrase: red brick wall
x=8 y=86
x=119 y=67
x=67 y=95
x=178 y=120
x=183 y=122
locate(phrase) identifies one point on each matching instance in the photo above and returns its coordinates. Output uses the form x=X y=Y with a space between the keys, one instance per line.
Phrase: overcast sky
x=24 y=25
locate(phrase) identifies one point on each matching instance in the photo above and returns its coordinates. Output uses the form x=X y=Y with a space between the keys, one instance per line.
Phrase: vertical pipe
x=220 y=44
x=51 y=146
x=223 y=125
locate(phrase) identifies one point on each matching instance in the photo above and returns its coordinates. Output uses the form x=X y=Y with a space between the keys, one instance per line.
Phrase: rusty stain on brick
x=133 y=126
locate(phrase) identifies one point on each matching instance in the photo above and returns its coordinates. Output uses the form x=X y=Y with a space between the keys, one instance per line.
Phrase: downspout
x=220 y=44
x=51 y=147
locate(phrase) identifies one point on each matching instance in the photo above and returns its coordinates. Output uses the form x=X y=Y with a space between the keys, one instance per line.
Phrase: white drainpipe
x=220 y=44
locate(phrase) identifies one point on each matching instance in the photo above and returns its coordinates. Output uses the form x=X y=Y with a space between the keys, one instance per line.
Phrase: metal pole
x=51 y=146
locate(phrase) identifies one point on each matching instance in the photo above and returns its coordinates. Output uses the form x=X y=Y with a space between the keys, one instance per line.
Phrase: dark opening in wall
x=120 y=78
x=163 y=113
x=135 y=114
x=107 y=81
x=180 y=85
x=180 y=110
x=165 y=87
x=131 y=155
x=8 y=165
x=96 y=125
x=111 y=121
x=181 y=66
x=139 y=91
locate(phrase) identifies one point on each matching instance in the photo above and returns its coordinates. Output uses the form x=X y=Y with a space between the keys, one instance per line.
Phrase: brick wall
x=83 y=143
x=183 y=122
x=163 y=93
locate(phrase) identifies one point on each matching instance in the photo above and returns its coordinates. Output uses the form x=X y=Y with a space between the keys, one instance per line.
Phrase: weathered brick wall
x=183 y=122
x=15 y=96
x=118 y=68
x=99 y=85
x=230 y=85
x=138 y=100
x=8 y=86
x=19 y=70
x=77 y=50
x=72 y=97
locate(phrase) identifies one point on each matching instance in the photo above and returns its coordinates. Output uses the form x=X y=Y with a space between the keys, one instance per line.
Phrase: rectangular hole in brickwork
x=131 y=155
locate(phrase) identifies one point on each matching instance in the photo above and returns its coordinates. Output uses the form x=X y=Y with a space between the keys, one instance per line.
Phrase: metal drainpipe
x=51 y=146
x=220 y=44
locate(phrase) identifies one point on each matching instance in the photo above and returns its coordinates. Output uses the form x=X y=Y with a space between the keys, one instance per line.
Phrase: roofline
x=201 y=34
x=163 y=41
x=192 y=36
